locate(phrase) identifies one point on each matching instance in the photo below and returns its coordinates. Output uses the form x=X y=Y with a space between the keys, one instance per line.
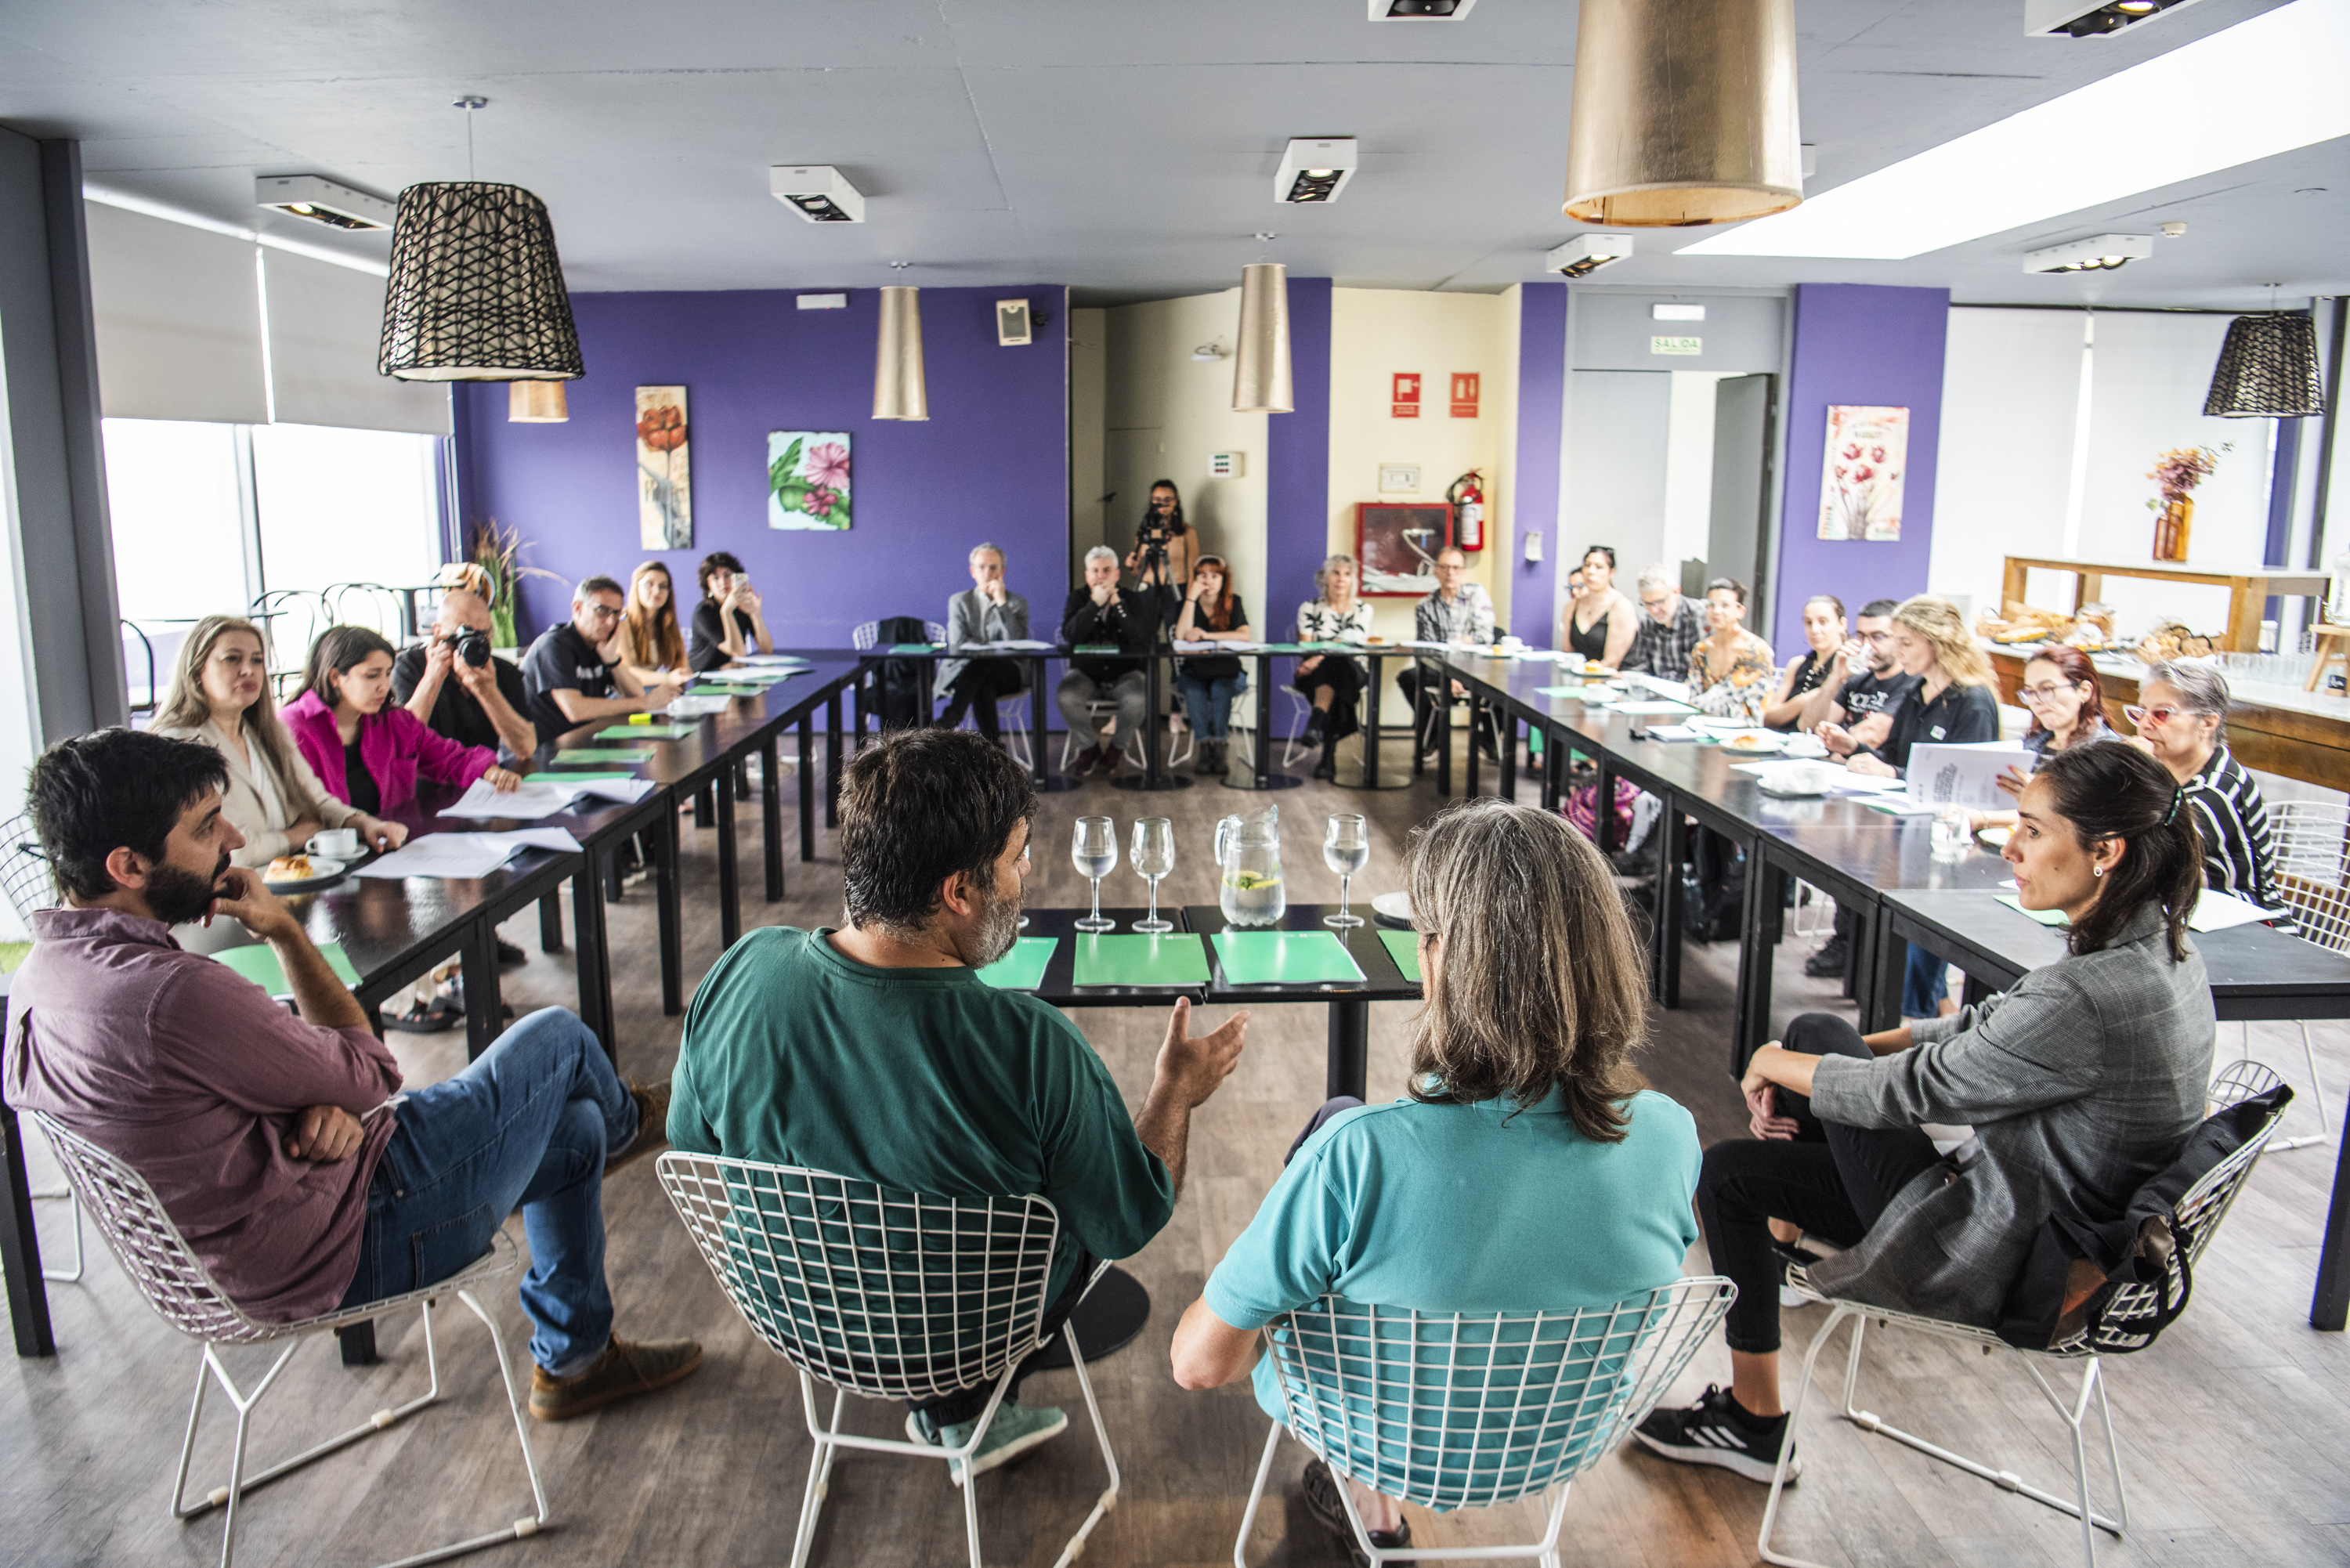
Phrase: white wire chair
x=180 y=1290
x=26 y=882
x=370 y=604
x=1011 y=713
x=1454 y=1410
x=883 y=1294
x=2194 y=1219
x=2311 y=873
x=1185 y=743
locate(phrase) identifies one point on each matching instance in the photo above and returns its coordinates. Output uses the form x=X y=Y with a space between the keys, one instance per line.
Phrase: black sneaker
x=1715 y=1431
x=510 y=955
x=1312 y=735
x=1321 y=1491
x=1829 y=961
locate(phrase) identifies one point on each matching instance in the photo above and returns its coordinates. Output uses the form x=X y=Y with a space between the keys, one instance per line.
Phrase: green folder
x=580 y=778
x=761 y=675
x=1097 y=647
x=258 y=963
x=725 y=690
x=603 y=756
x=1558 y=690
x=1284 y=957
x=913 y=647
x=1022 y=968
x=2045 y=917
x=1137 y=957
x=647 y=732
x=1404 y=948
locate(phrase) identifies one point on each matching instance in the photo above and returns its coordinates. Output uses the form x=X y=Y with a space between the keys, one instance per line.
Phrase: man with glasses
x=1859 y=709
x=1459 y=611
x=1671 y=633
x=570 y=679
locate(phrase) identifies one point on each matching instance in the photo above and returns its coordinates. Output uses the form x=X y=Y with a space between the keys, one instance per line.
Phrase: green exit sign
x=1676 y=345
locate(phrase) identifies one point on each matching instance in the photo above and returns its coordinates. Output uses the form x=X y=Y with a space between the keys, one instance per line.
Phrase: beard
x=178 y=897
x=998 y=928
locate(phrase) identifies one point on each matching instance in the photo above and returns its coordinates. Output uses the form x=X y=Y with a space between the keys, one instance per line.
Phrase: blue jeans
x=1210 y=702
x=527 y=1125
x=1924 y=983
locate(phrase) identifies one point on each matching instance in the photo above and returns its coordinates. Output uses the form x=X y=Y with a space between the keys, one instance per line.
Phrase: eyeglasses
x=2142 y=717
x=1659 y=602
x=2034 y=696
x=602 y=612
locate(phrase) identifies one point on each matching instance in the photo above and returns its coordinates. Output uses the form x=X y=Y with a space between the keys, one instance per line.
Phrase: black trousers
x=966 y=1404
x=981 y=682
x=1337 y=672
x=1832 y=1181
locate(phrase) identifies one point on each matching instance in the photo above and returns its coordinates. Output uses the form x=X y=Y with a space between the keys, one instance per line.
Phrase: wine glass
x=1152 y=857
x=1345 y=850
x=1095 y=850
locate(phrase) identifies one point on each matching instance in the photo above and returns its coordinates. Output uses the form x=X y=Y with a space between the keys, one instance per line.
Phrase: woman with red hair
x=2067 y=704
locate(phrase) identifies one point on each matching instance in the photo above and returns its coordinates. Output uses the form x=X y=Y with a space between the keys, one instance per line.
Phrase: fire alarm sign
x=1464 y=395
x=1406 y=398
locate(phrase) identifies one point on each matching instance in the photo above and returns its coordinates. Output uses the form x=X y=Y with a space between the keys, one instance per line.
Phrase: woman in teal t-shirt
x=1524 y=1174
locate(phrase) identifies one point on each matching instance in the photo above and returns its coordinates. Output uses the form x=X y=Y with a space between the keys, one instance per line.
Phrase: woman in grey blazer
x=2081 y=1085
x=985 y=612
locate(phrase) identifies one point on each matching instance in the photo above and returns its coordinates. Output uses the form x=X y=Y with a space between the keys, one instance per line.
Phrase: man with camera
x=452 y=683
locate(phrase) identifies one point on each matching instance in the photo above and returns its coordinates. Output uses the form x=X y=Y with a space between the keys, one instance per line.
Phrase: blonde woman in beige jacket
x=220 y=695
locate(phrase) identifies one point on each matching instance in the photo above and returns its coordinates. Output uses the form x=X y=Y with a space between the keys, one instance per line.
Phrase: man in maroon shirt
x=280 y=1146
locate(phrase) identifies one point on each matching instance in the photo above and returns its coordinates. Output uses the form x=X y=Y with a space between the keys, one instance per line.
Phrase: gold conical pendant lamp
x=1260 y=382
x=537 y=403
x=898 y=390
x=1684 y=113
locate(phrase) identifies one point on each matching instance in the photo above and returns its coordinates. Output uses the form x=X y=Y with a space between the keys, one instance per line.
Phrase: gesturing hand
x=325 y=1134
x=1192 y=1066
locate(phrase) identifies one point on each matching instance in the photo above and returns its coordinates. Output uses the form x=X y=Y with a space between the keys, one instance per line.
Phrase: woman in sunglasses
x=2181 y=717
x=2067 y=704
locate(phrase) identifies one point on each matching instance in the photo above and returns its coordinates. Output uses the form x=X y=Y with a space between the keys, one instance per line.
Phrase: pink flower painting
x=1867 y=451
x=807 y=478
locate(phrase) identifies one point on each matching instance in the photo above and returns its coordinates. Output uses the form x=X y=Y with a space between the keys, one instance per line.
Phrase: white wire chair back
x=1453 y=1410
x=24 y=873
x=2311 y=864
x=864 y=634
x=370 y=604
x=290 y=621
x=889 y=1295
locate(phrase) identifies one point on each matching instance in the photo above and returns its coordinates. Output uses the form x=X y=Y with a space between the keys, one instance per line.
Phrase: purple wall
x=1297 y=471
x=991 y=463
x=1858 y=343
x=1542 y=411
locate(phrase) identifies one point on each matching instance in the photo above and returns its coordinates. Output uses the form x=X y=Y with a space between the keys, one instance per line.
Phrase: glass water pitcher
x=1248 y=863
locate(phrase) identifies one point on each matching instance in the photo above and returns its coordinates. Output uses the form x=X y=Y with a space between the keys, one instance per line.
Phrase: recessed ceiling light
x=1586 y=253
x=817 y=191
x=2253 y=90
x=1420 y=10
x=2103 y=253
x=323 y=201
x=1314 y=168
x=2092 y=18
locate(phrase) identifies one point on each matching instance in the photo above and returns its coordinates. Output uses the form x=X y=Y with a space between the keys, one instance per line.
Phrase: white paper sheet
x=1640 y=709
x=1843 y=782
x=1965 y=775
x=791 y=658
x=2217 y=911
x=465 y=855
x=1009 y=645
x=529 y=801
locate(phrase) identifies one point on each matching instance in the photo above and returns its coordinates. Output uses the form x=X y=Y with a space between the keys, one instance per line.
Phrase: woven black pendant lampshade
x=477 y=290
x=2268 y=369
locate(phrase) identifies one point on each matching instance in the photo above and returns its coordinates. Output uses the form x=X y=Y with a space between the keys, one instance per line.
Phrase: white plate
x=1753 y=743
x=321 y=870
x=1394 y=906
x=1995 y=837
x=1724 y=725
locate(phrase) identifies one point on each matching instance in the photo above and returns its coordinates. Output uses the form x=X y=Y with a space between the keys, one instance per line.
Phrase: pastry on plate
x=290 y=868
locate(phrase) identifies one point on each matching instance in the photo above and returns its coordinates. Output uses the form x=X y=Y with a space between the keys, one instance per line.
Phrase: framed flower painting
x=807 y=478
x=1861 y=473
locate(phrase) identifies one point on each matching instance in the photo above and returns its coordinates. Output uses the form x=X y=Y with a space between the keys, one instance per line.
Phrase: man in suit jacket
x=1097 y=613
x=986 y=612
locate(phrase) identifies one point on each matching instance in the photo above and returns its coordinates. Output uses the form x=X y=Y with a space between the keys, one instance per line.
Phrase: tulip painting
x=807 y=478
x=1860 y=480
x=664 y=485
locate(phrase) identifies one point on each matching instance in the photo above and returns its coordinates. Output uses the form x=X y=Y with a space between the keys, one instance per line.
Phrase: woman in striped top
x=2184 y=722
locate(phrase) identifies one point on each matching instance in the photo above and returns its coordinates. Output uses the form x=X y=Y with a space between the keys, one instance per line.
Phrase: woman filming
x=2081 y=1084
x=729 y=622
x=1163 y=524
x=220 y=695
x=366 y=751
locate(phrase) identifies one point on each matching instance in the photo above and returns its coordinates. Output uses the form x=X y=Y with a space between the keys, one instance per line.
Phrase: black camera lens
x=473 y=648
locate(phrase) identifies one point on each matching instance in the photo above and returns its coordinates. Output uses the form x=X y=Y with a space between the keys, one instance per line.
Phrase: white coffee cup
x=1811 y=777
x=334 y=843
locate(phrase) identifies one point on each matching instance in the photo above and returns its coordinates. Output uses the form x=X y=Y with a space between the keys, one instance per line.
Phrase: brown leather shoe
x=625 y=1370
x=653 y=1126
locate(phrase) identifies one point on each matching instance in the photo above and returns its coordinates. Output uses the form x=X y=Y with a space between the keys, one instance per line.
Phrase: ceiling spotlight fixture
x=2101 y=253
x=1314 y=168
x=1420 y=10
x=1586 y=253
x=2090 y=18
x=817 y=191
x=2173 y=231
x=323 y=201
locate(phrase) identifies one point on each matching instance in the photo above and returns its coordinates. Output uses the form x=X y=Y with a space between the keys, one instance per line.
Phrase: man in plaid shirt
x=1457 y=611
x=1671 y=632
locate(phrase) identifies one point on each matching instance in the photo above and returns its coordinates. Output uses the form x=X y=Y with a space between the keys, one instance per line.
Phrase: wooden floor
x=2236 y=1427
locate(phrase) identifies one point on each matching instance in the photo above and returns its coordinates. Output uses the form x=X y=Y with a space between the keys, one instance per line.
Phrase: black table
x=2256 y=974
x=927 y=655
x=1349 y=1002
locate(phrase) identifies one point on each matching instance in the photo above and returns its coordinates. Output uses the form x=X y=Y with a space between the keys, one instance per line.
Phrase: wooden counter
x=2277 y=729
x=2249 y=587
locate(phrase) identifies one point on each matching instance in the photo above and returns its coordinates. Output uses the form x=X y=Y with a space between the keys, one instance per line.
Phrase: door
x=1742 y=446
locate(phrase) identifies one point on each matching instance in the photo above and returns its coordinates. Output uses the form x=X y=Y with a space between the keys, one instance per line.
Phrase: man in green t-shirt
x=874 y=1051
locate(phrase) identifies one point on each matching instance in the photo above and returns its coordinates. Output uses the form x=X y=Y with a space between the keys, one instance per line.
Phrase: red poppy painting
x=664 y=484
x=1860 y=478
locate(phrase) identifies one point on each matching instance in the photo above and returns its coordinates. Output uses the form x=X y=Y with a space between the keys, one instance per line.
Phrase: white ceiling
x=1125 y=148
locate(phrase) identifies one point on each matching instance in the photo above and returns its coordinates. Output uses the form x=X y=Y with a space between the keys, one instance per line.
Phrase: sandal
x=439 y=1016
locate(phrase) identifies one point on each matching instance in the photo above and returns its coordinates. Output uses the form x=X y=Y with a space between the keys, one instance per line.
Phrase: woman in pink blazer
x=366 y=749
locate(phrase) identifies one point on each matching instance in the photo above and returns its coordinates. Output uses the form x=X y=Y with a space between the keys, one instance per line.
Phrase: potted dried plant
x=2176 y=473
x=498 y=551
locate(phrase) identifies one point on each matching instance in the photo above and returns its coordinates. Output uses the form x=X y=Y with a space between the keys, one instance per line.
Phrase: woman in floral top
x=1730 y=673
x=1331 y=682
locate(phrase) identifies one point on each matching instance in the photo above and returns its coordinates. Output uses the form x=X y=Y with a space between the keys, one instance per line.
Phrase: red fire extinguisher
x=1467 y=498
